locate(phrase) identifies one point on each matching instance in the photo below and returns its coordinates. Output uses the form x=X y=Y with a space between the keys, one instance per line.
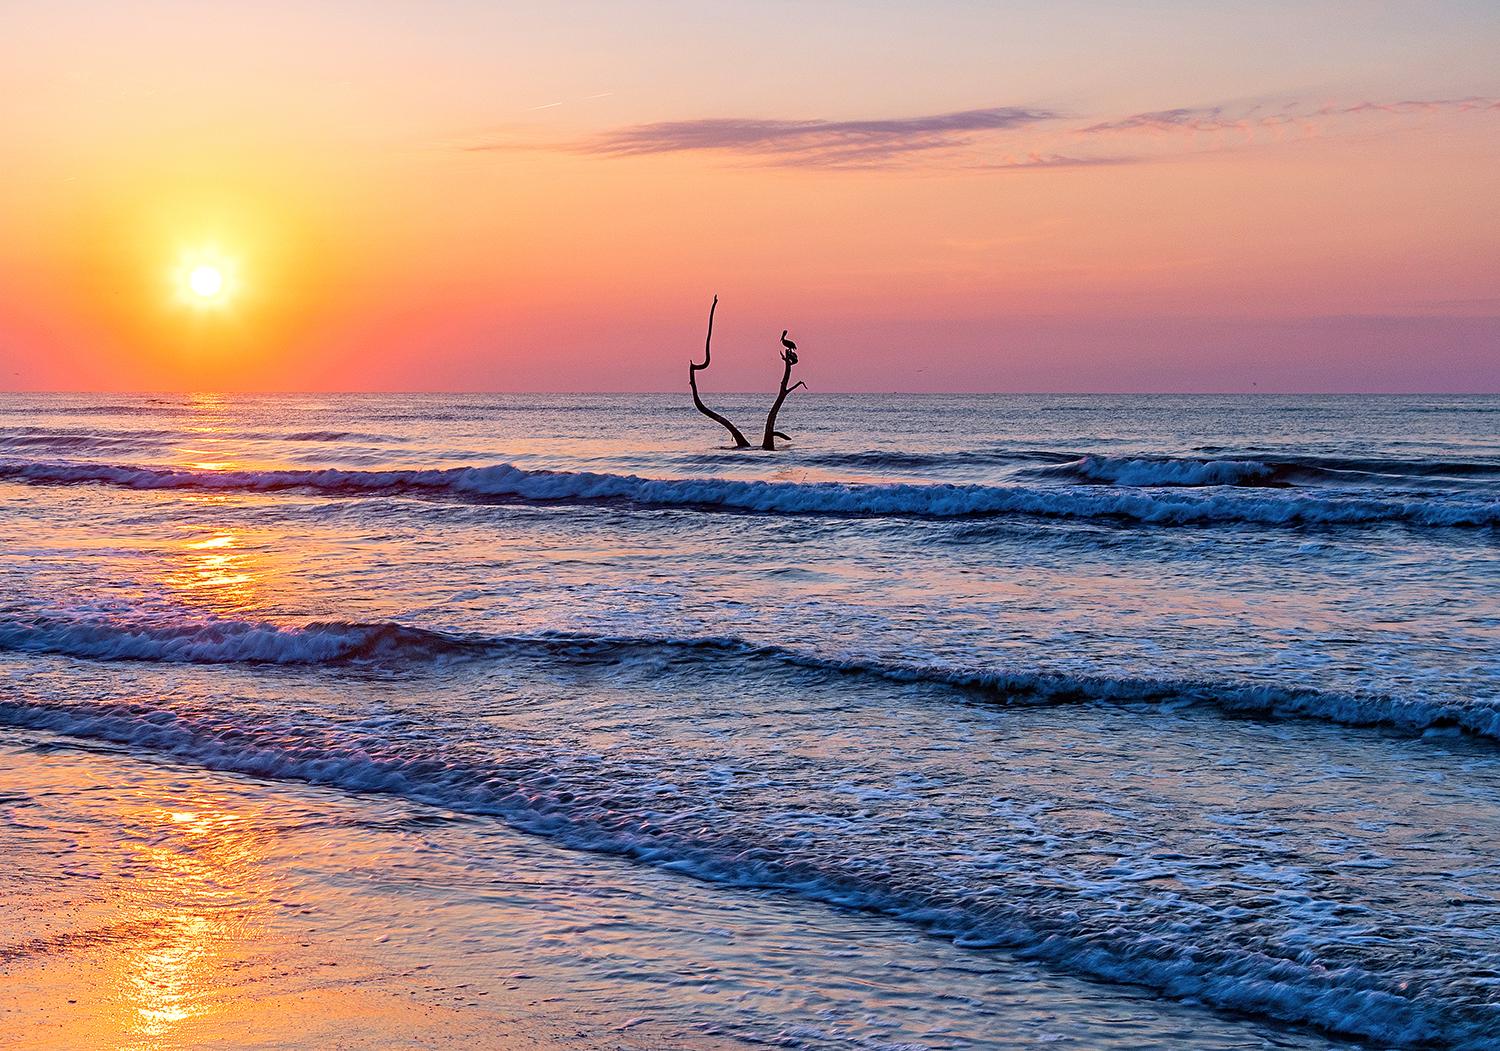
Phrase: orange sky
x=456 y=196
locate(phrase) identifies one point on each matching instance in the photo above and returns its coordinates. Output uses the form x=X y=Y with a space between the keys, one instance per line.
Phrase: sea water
x=1180 y=710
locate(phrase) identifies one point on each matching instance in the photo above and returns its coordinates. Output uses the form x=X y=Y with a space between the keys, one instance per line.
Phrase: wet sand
x=152 y=907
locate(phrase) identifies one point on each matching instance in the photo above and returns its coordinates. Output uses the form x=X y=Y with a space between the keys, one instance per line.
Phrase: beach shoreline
x=153 y=905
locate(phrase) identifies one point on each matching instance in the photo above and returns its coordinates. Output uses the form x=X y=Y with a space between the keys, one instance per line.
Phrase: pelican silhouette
x=791 y=348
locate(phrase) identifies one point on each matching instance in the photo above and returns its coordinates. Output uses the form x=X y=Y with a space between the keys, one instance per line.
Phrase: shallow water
x=1193 y=696
x=200 y=897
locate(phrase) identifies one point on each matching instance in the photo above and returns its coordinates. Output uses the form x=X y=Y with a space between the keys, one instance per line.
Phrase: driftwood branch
x=740 y=442
x=788 y=358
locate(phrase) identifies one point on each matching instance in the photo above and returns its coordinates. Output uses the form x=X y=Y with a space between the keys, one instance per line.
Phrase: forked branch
x=789 y=358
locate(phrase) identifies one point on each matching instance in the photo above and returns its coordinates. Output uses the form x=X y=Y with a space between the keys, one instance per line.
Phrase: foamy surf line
x=338 y=643
x=1255 y=472
x=600 y=815
x=508 y=482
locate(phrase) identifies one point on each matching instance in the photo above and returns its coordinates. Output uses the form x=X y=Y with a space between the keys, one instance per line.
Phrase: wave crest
x=1258 y=471
x=506 y=482
x=1165 y=472
x=223 y=641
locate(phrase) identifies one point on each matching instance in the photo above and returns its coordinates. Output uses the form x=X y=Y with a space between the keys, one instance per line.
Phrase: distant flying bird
x=791 y=348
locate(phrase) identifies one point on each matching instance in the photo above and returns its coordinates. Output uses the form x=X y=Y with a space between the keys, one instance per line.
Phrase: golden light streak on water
x=198 y=882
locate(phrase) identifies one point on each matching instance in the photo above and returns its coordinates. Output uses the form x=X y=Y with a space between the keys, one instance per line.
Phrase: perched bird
x=791 y=348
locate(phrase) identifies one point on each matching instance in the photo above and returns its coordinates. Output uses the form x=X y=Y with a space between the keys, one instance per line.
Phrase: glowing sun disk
x=206 y=281
x=206 y=278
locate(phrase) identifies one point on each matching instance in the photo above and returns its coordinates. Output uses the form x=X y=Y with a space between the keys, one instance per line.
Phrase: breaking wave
x=506 y=482
x=1168 y=471
x=1164 y=472
x=223 y=641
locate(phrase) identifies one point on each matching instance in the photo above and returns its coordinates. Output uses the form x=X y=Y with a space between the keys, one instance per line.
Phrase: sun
x=205 y=277
x=206 y=281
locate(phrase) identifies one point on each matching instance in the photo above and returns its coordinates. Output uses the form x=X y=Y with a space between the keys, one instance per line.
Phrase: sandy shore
x=150 y=907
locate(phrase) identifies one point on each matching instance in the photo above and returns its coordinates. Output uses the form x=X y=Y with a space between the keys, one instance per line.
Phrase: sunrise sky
x=954 y=195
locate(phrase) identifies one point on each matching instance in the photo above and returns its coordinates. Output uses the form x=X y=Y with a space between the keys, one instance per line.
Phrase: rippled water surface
x=1179 y=710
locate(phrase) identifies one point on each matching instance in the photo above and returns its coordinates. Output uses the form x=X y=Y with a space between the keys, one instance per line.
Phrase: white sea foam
x=219 y=641
x=223 y=641
x=1164 y=471
x=507 y=482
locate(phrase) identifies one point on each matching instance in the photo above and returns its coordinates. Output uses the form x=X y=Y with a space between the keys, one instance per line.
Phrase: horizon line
x=759 y=392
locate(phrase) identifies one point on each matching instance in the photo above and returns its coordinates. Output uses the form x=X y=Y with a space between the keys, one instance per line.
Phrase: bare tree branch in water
x=788 y=358
x=740 y=441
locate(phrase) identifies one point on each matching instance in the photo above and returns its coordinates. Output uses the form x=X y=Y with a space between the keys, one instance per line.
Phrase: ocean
x=962 y=721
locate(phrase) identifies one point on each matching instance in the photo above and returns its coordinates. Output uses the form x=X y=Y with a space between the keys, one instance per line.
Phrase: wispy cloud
x=996 y=138
x=832 y=143
x=1466 y=105
x=967 y=162
x=1047 y=161
x=1209 y=118
x=1248 y=118
x=564 y=102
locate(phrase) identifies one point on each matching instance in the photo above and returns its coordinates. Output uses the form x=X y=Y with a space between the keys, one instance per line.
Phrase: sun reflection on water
x=218 y=572
x=197 y=882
